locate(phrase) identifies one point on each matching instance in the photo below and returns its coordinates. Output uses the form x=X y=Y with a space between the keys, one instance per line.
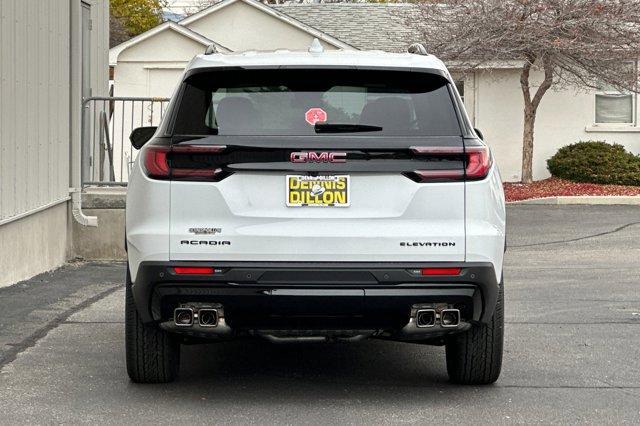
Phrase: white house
x=52 y=53
x=151 y=64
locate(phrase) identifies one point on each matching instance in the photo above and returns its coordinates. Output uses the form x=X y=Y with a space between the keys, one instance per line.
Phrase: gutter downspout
x=76 y=111
x=78 y=215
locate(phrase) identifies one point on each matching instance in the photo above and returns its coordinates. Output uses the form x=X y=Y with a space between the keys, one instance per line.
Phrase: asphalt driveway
x=572 y=349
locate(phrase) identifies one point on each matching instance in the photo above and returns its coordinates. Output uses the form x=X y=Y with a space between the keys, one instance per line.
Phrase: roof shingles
x=365 y=26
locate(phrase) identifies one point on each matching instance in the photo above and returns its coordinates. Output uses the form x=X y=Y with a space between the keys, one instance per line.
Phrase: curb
x=633 y=200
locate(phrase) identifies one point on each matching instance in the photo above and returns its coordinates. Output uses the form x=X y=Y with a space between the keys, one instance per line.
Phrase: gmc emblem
x=318 y=157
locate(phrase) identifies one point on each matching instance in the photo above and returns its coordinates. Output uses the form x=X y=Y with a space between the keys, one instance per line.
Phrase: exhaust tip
x=183 y=317
x=208 y=317
x=426 y=318
x=450 y=317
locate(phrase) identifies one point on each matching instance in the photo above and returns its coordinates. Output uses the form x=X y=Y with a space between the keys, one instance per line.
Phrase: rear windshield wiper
x=345 y=128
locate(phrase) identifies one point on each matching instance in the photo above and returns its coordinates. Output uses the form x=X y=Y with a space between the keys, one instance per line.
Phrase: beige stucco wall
x=34 y=244
x=240 y=26
x=106 y=242
x=167 y=45
x=494 y=101
x=152 y=68
x=154 y=79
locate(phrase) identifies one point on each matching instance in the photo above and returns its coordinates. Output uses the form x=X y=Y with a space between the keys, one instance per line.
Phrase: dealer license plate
x=318 y=191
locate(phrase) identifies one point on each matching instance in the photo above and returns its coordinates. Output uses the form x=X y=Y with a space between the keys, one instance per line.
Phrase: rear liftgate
x=256 y=203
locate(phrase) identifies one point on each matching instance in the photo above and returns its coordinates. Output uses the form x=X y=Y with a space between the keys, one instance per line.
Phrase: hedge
x=596 y=162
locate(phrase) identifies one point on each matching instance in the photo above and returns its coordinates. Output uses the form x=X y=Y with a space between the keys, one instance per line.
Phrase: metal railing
x=107 y=122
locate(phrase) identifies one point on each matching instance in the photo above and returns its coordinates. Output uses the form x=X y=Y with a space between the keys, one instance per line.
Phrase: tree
x=574 y=43
x=128 y=18
x=117 y=32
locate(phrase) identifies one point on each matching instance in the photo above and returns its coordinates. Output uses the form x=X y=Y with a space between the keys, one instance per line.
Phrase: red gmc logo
x=318 y=157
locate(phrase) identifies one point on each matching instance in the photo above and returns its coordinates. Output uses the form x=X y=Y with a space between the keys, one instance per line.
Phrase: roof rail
x=418 y=49
x=211 y=49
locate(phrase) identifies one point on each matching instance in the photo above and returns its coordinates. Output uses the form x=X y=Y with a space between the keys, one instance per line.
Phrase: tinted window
x=291 y=101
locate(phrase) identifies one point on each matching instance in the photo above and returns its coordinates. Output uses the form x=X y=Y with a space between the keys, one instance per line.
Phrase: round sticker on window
x=315 y=115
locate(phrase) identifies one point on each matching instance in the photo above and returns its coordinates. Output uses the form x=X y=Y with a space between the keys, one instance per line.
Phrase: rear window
x=303 y=102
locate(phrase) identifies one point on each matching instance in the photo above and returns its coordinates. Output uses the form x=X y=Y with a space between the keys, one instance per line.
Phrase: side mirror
x=479 y=133
x=141 y=135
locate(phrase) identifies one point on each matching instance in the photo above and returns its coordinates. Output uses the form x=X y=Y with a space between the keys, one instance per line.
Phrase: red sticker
x=315 y=115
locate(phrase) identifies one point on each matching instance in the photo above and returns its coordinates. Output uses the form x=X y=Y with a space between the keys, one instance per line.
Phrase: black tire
x=153 y=356
x=475 y=356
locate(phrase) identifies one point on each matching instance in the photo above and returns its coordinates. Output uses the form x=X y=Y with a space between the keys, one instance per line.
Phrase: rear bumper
x=275 y=295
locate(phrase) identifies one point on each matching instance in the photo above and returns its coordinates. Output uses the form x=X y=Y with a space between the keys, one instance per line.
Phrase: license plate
x=318 y=191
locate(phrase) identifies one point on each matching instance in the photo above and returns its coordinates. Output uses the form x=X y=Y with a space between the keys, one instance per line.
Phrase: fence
x=107 y=122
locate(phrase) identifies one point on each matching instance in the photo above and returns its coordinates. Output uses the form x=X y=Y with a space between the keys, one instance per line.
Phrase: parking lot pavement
x=29 y=309
x=571 y=352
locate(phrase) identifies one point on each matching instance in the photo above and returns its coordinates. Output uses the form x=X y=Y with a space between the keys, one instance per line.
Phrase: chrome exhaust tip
x=450 y=317
x=208 y=317
x=426 y=318
x=183 y=317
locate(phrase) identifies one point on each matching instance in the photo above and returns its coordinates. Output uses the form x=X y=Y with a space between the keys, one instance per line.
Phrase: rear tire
x=475 y=356
x=152 y=355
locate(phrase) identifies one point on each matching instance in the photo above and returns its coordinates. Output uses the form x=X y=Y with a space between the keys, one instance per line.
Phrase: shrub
x=596 y=162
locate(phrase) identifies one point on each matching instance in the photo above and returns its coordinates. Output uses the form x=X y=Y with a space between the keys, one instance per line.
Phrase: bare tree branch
x=546 y=83
x=524 y=79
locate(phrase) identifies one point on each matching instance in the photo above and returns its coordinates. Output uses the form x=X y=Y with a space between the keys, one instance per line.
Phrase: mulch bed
x=554 y=187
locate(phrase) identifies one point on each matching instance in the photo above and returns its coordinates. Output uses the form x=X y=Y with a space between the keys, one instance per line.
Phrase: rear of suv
x=314 y=196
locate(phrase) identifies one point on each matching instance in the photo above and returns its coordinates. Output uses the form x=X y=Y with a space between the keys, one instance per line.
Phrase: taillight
x=477 y=162
x=155 y=161
x=184 y=162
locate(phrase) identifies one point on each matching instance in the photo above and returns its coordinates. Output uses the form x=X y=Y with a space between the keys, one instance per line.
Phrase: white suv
x=303 y=196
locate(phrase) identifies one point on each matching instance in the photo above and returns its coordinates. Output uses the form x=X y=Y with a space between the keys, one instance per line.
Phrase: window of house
x=614 y=107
